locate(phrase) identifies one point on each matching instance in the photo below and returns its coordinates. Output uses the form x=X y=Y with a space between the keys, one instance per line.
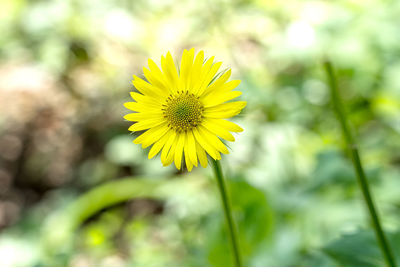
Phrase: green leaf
x=333 y=168
x=361 y=249
x=254 y=218
x=59 y=229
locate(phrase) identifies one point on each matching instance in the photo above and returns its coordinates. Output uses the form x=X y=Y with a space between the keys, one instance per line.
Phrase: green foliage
x=58 y=232
x=65 y=71
x=361 y=249
x=333 y=169
x=250 y=207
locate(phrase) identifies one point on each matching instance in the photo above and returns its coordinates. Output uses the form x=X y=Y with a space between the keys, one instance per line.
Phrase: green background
x=75 y=191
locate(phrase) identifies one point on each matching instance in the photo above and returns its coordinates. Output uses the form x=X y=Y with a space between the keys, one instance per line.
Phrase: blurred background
x=65 y=151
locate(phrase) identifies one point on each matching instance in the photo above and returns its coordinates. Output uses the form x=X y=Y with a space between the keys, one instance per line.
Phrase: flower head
x=183 y=112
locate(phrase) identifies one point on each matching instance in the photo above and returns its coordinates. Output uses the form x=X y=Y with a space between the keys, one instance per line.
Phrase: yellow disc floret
x=184 y=111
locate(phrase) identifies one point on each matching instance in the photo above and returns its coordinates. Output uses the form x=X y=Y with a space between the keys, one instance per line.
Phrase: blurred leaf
x=334 y=169
x=80 y=51
x=120 y=150
x=255 y=222
x=58 y=231
x=361 y=249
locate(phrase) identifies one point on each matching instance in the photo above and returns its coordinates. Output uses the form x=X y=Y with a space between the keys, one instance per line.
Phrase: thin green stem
x=355 y=157
x=228 y=213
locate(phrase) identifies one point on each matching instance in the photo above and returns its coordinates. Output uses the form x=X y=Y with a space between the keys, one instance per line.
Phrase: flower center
x=183 y=111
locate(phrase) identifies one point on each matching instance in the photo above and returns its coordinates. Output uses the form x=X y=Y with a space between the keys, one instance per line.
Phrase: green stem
x=355 y=157
x=228 y=213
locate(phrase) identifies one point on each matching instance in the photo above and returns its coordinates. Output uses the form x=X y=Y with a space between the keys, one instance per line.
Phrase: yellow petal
x=143 y=116
x=147 y=89
x=152 y=135
x=145 y=100
x=202 y=155
x=217 y=83
x=170 y=72
x=188 y=161
x=229 y=126
x=205 y=145
x=191 y=147
x=222 y=115
x=225 y=110
x=140 y=107
x=159 y=145
x=227 y=106
x=155 y=70
x=218 y=130
x=170 y=157
x=196 y=70
x=146 y=124
x=179 y=150
x=205 y=69
x=221 y=88
x=216 y=99
x=189 y=166
x=213 y=140
x=167 y=147
x=156 y=77
x=186 y=66
x=208 y=77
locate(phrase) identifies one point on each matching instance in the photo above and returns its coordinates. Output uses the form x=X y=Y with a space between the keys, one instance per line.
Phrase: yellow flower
x=183 y=112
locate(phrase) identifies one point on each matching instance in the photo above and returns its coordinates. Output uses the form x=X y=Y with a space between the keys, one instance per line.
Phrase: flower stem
x=355 y=157
x=228 y=213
